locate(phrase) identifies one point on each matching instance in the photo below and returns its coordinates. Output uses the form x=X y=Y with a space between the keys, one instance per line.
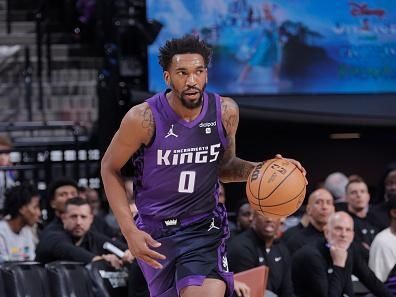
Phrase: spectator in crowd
x=22 y=211
x=385 y=185
x=258 y=246
x=319 y=207
x=244 y=216
x=7 y=178
x=383 y=249
x=60 y=191
x=93 y=198
x=335 y=183
x=358 y=197
x=77 y=242
x=303 y=222
x=378 y=213
x=324 y=269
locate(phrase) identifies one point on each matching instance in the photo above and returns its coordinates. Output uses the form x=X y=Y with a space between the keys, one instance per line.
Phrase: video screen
x=285 y=46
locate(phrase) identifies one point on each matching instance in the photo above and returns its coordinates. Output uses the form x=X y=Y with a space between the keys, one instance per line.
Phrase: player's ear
x=167 y=78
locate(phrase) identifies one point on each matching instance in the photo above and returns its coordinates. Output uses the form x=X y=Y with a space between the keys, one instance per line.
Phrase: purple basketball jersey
x=176 y=176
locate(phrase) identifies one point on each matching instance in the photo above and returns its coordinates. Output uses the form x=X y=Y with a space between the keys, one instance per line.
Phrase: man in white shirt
x=383 y=249
x=22 y=210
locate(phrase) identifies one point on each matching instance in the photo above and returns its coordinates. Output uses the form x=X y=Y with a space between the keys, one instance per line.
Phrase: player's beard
x=192 y=104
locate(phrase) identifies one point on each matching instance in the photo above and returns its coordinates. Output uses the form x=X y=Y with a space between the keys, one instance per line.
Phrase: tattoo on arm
x=232 y=167
x=230 y=111
x=148 y=121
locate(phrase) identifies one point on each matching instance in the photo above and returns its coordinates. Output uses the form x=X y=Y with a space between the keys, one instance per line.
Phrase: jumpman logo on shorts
x=171 y=133
x=212 y=225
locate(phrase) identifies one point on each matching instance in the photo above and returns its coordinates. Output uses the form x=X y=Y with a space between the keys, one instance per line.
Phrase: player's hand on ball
x=295 y=162
x=139 y=245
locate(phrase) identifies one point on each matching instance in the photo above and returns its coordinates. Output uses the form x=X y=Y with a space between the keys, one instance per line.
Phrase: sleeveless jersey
x=176 y=176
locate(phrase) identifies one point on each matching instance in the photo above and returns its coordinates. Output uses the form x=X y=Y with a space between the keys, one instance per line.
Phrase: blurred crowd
x=341 y=242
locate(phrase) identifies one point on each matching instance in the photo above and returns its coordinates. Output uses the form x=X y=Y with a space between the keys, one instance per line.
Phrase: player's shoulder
x=140 y=119
x=138 y=113
x=229 y=114
x=229 y=108
x=228 y=103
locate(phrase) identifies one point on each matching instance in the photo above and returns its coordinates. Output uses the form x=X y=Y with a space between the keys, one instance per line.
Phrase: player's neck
x=187 y=114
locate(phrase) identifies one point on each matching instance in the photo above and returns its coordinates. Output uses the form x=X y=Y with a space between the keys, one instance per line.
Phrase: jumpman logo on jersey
x=212 y=225
x=171 y=133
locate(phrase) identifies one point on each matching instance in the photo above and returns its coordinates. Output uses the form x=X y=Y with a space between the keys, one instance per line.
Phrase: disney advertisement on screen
x=285 y=46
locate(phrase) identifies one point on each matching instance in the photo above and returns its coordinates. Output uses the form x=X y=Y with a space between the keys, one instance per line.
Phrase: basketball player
x=182 y=141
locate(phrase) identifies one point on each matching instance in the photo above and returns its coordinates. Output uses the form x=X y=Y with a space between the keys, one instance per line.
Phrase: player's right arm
x=136 y=129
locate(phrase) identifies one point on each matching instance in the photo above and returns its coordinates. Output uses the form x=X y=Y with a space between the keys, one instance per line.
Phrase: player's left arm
x=232 y=168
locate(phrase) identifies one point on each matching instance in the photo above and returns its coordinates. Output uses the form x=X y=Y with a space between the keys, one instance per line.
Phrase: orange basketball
x=276 y=188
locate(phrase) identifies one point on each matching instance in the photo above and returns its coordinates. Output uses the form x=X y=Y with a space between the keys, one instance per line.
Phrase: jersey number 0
x=187 y=182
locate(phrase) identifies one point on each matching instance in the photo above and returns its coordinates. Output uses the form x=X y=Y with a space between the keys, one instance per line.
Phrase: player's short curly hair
x=188 y=44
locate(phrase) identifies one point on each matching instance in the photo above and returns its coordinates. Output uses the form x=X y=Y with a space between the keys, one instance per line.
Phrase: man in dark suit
x=258 y=246
x=325 y=268
x=320 y=206
x=76 y=241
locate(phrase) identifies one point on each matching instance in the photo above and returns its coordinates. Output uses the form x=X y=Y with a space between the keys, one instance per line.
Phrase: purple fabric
x=192 y=280
x=192 y=253
x=176 y=175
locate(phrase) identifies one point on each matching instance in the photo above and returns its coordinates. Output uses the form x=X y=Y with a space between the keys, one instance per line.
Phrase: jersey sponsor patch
x=207 y=124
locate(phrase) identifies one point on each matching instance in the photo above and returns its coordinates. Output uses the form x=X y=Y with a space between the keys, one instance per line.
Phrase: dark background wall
x=310 y=143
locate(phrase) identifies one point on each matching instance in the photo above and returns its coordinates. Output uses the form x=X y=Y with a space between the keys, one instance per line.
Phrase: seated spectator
x=60 y=191
x=324 y=269
x=258 y=246
x=94 y=200
x=358 y=197
x=7 y=178
x=302 y=222
x=335 y=183
x=22 y=211
x=77 y=242
x=244 y=218
x=383 y=249
x=319 y=207
x=378 y=213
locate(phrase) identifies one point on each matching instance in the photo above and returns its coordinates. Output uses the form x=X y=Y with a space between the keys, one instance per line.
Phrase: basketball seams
x=303 y=189
x=248 y=183
x=262 y=175
x=250 y=190
x=283 y=180
x=281 y=215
